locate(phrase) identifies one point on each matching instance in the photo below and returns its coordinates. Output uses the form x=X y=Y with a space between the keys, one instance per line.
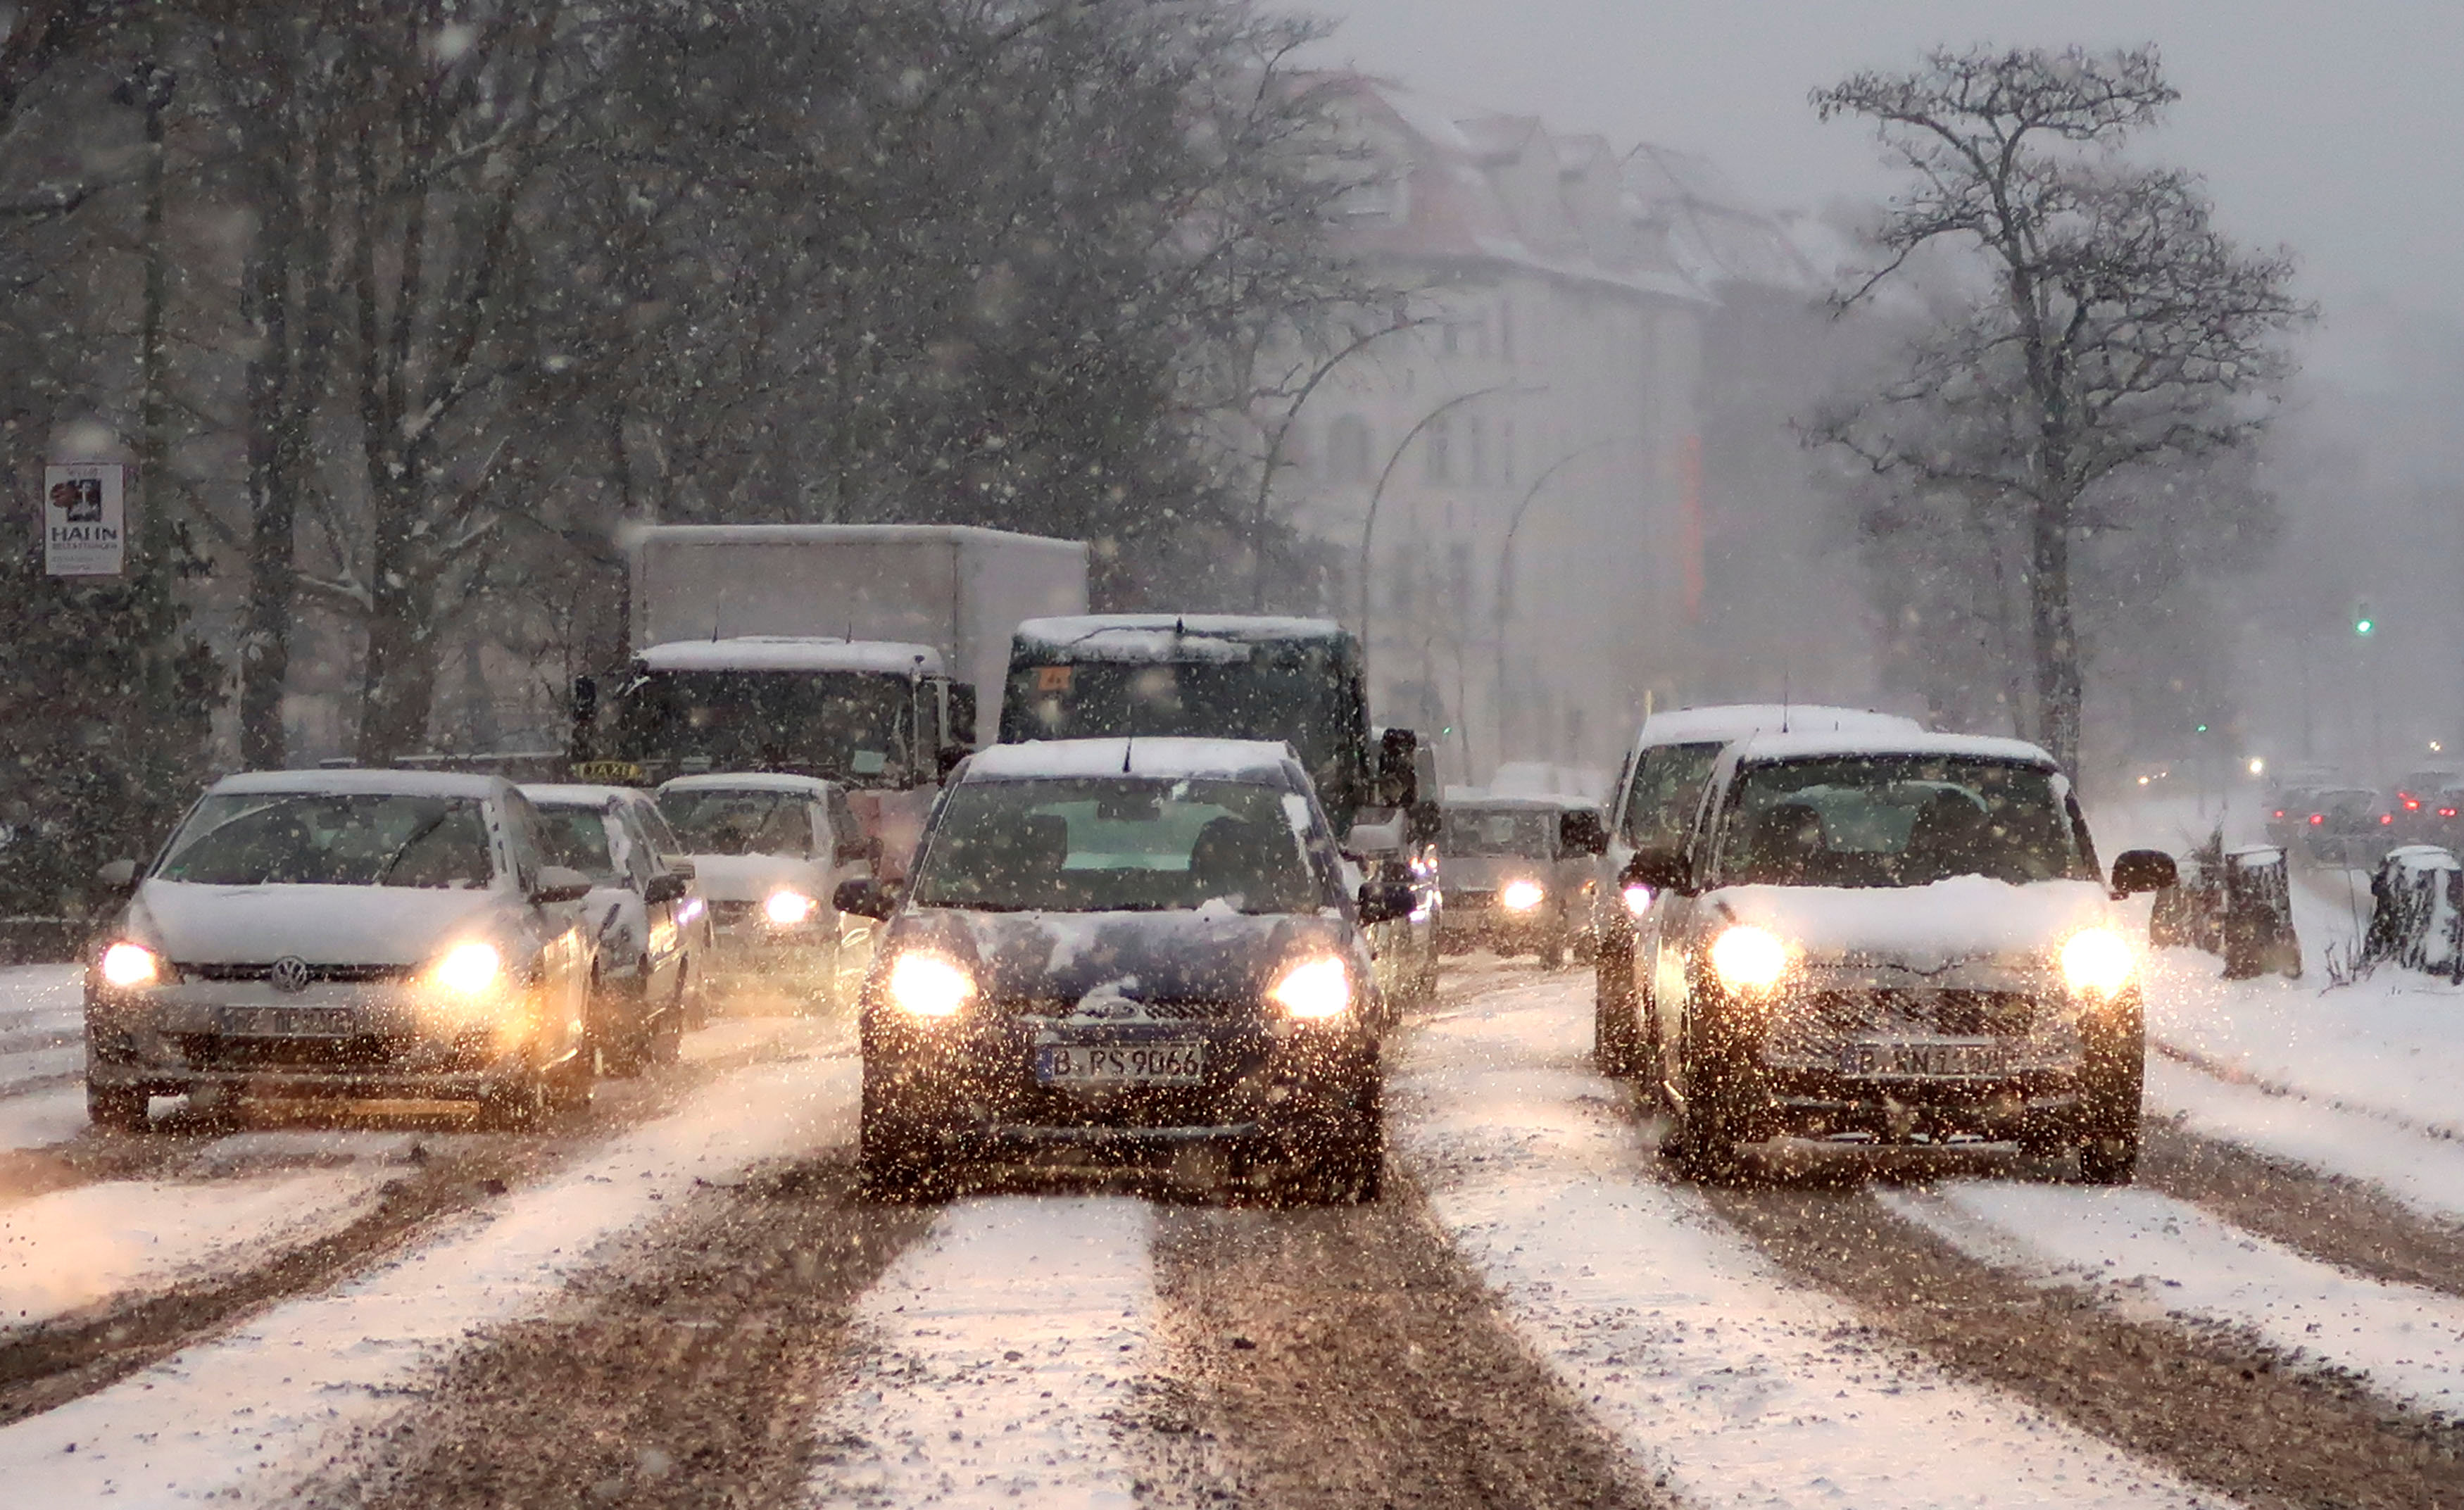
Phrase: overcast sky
x=2334 y=125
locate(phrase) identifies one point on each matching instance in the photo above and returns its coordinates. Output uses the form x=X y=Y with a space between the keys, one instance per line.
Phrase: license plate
x=288 y=1022
x=1924 y=1060
x=1121 y=1065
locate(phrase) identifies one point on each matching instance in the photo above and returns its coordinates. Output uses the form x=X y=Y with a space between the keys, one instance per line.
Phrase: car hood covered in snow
x=1205 y=955
x=209 y=924
x=1923 y=929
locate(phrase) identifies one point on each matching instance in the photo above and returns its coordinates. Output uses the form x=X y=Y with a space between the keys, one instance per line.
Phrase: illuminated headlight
x=787 y=908
x=929 y=986
x=1638 y=899
x=130 y=966
x=2097 y=961
x=1315 y=990
x=1748 y=960
x=1521 y=896
x=468 y=970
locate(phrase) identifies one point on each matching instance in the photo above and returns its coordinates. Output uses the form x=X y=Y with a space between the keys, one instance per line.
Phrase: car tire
x=570 y=1085
x=893 y=1151
x=667 y=1041
x=2113 y=1080
x=1348 y=1166
x=1707 y=1135
x=117 y=1108
x=624 y=1019
x=1553 y=952
x=1613 y=1013
x=516 y=1107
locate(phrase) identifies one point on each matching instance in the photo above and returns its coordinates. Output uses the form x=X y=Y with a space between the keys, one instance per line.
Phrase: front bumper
x=973 y=1089
x=363 y=1040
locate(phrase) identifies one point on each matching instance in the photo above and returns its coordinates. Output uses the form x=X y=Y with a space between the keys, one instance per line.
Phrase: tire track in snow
x=2149 y=1252
x=1717 y=1372
x=999 y=1362
x=250 y=1412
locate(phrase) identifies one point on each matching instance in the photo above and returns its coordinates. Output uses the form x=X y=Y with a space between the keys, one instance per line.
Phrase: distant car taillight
x=2280 y=812
x=2447 y=812
x=2412 y=804
x=2387 y=818
x=2317 y=818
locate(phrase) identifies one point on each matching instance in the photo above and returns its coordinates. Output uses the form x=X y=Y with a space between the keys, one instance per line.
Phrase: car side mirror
x=866 y=897
x=1385 y=901
x=1581 y=833
x=682 y=869
x=559 y=884
x=666 y=886
x=1398 y=773
x=2137 y=870
x=119 y=875
x=1660 y=870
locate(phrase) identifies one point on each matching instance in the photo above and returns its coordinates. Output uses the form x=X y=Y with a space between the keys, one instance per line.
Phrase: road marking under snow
x=2154 y=1253
x=263 y=1405
x=42 y=1119
x=995 y=1361
x=1706 y=1362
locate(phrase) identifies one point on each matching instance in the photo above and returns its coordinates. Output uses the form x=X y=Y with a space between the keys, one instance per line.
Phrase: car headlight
x=929 y=986
x=1638 y=899
x=468 y=970
x=130 y=966
x=787 y=908
x=1315 y=990
x=1521 y=896
x=1748 y=960
x=2097 y=961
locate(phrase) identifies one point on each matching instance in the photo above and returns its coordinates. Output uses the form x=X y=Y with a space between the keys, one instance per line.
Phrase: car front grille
x=348 y=973
x=1188 y=1009
x=1961 y=1013
x=359 y=1052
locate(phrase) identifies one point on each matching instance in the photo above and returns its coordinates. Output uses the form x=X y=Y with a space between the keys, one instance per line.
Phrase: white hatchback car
x=644 y=911
x=372 y=934
x=769 y=852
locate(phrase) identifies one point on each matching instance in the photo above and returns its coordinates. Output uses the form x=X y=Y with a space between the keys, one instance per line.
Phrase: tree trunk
x=2053 y=634
x=272 y=499
x=398 y=688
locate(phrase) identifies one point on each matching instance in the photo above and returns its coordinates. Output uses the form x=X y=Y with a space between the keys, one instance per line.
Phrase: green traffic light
x=2202 y=729
x=2364 y=626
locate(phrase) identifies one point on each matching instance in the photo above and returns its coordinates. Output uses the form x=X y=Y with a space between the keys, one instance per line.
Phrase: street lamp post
x=1376 y=494
x=1506 y=571
x=1275 y=452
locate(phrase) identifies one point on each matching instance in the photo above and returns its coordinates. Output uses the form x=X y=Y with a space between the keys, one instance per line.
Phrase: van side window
x=1667 y=788
x=846 y=830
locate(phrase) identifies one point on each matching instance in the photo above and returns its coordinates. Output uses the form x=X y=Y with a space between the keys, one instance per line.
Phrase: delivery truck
x=859 y=653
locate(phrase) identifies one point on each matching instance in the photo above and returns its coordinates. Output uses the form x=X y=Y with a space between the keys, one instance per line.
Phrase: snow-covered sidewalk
x=42 y=1023
x=1701 y=1357
x=2150 y=1252
x=995 y=1359
x=250 y=1412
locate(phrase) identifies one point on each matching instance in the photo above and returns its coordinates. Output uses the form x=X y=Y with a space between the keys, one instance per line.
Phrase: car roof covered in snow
x=570 y=793
x=747 y=782
x=1727 y=721
x=1164 y=636
x=376 y=781
x=1233 y=759
x=1515 y=803
x=787 y=652
x=1761 y=748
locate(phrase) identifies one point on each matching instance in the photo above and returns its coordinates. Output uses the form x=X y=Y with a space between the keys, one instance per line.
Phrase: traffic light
x=2365 y=624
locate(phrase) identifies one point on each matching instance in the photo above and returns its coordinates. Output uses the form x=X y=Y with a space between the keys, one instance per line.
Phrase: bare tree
x=2114 y=331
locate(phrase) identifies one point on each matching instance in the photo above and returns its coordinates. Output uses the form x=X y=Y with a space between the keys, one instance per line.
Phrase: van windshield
x=1899 y=820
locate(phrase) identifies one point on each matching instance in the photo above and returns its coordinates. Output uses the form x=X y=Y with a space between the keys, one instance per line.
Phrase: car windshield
x=1470 y=832
x=1298 y=693
x=740 y=820
x=843 y=724
x=1899 y=820
x=577 y=837
x=1118 y=845
x=303 y=838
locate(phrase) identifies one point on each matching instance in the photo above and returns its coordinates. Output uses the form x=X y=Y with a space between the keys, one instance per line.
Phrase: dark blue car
x=1127 y=949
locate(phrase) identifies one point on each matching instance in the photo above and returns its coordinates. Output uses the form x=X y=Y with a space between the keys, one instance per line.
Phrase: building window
x=1505 y=328
x=1436 y=448
x=1505 y=451
x=1458 y=572
x=1475 y=450
x=1347 y=449
x=1450 y=338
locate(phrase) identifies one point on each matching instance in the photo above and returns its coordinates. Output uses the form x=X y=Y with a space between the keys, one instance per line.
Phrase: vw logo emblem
x=290 y=974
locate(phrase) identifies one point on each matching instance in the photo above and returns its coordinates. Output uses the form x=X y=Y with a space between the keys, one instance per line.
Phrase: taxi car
x=372 y=934
x=651 y=927
x=1896 y=938
x=1127 y=949
x=1517 y=874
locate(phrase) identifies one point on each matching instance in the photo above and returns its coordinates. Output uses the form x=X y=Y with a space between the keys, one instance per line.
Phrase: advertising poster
x=85 y=519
